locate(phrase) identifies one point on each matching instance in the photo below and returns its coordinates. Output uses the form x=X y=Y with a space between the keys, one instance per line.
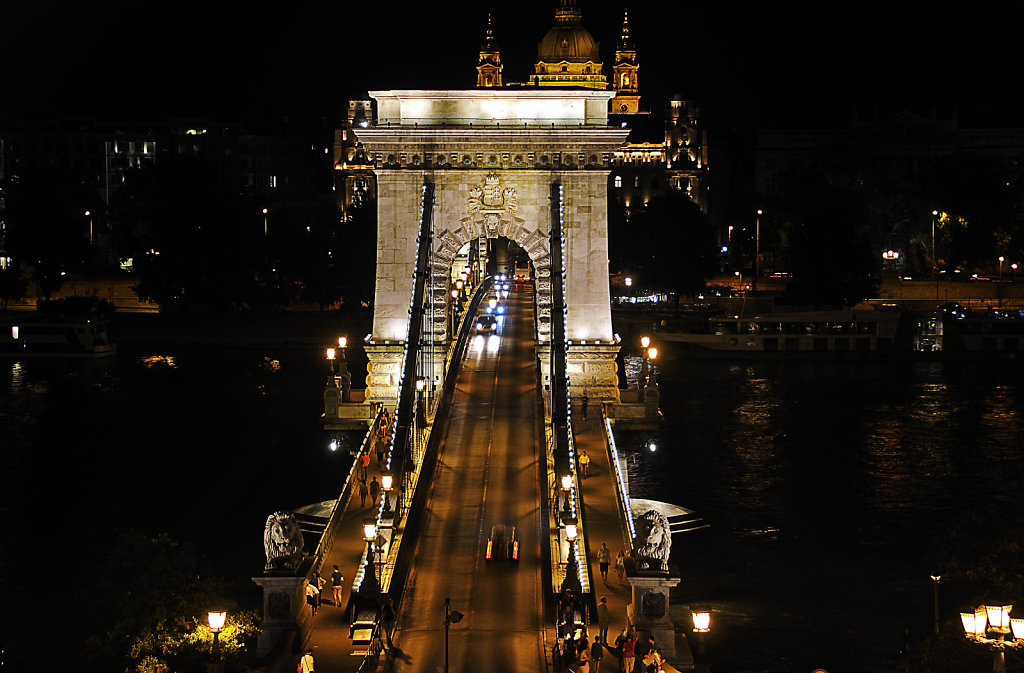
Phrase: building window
x=618 y=182
x=272 y=182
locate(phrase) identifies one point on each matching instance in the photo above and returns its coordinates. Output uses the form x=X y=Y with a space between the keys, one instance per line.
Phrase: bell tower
x=488 y=69
x=624 y=74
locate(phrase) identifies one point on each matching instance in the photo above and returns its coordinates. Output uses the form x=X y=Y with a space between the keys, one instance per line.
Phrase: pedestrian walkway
x=602 y=522
x=332 y=647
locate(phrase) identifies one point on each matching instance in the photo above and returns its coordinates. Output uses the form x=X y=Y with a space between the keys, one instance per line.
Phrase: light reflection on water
x=828 y=486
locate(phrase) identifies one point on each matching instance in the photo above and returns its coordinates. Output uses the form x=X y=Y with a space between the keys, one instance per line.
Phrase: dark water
x=829 y=487
x=826 y=484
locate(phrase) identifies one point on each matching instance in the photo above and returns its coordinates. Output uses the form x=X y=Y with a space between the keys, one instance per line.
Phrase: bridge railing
x=621 y=487
x=397 y=566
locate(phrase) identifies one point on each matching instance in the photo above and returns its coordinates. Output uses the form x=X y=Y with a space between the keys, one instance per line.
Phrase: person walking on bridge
x=586 y=402
x=337 y=585
x=584 y=464
x=306 y=662
x=603 y=620
x=363 y=492
x=604 y=558
x=374 y=490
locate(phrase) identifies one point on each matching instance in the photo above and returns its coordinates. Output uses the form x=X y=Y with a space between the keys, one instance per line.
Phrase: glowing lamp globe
x=216 y=620
x=387 y=481
x=701 y=621
x=421 y=384
x=974 y=622
x=331 y=353
x=571 y=530
x=566 y=482
x=645 y=341
x=652 y=353
x=999 y=617
x=370 y=530
x=342 y=341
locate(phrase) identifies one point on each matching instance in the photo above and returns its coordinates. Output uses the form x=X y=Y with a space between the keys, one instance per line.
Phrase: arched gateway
x=493 y=156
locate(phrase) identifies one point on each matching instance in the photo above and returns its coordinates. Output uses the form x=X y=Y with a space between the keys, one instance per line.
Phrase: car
x=486 y=324
x=503 y=543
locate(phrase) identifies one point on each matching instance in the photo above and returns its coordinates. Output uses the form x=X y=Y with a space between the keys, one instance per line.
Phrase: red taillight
x=490 y=543
x=515 y=550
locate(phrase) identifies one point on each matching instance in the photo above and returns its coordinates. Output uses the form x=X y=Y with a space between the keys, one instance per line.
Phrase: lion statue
x=653 y=541
x=282 y=541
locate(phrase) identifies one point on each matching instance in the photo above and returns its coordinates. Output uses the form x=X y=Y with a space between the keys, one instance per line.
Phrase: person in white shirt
x=306 y=662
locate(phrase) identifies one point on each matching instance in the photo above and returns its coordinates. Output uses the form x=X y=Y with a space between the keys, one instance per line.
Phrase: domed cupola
x=568 y=55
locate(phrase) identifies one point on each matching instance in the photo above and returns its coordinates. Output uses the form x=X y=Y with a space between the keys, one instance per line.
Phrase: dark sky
x=214 y=58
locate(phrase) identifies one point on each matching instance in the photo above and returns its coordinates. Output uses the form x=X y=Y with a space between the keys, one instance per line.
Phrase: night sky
x=218 y=59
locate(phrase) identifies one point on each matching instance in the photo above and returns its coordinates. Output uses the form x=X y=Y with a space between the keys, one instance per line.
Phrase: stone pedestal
x=383 y=371
x=591 y=368
x=649 y=608
x=284 y=609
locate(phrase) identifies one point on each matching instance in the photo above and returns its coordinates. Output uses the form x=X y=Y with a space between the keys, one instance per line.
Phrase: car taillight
x=515 y=550
x=490 y=543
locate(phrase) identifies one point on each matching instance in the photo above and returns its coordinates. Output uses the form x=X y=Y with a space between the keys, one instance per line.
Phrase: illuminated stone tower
x=568 y=55
x=489 y=67
x=624 y=74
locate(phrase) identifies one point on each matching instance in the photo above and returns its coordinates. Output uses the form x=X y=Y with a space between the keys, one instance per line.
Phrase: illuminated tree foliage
x=148 y=597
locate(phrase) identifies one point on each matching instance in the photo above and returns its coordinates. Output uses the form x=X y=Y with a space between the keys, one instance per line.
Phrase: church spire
x=624 y=73
x=488 y=69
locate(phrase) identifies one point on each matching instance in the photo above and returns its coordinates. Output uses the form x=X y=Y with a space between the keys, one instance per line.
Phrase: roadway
x=487 y=474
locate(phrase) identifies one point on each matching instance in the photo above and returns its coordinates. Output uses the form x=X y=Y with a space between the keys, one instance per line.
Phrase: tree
x=147 y=599
x=669 y=244
x=47 y=232
x=828 y=246
x=13 y=286
x=194 y=244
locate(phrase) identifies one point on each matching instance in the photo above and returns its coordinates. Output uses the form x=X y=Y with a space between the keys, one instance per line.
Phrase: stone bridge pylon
x=492 y=155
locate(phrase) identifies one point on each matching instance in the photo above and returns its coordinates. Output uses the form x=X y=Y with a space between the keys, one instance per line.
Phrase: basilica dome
x=568 y=40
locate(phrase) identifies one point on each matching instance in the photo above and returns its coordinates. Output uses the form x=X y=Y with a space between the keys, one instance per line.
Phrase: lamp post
x=935 y=277
x=387 y=482
x=265 y=229
x=88 y=214
x=757 y=247
x=1001 y=260
x=216 y=619
x=370 y=537
x=995 y=620
x=566 y=483
x=645 y=343
x=935 y=593
x=701 y=625
x=450 y=617
x=455 y=313
x=571 y=581
x=343 y=373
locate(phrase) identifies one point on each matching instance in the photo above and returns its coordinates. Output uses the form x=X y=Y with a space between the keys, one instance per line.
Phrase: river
x=826 y=485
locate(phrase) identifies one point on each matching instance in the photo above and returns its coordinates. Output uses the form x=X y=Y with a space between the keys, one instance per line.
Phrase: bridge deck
x=487 y=474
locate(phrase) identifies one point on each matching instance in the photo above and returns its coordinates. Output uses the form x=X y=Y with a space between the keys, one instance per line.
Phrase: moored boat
x=35 y=335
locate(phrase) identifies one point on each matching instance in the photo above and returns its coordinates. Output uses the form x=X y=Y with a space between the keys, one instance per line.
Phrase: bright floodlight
x=216 y=620
x=701 y=621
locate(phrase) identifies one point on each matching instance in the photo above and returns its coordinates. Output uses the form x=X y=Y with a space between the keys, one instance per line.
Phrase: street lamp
x=995 y=620
x=88 y=214
x=566 y=487
x=935 y=584
x=757 y=246
x=935 y=278
x=701 y=625
x=645 y=343
x=387 y=482
x=343 y=373
x=450 y=617
x=330 y=357
x=264 y=223
x=1001 y=260
x=216 y=621
x=370 y=536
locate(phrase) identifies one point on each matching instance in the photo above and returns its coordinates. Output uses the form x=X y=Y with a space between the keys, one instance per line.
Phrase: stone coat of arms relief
x=491 y=205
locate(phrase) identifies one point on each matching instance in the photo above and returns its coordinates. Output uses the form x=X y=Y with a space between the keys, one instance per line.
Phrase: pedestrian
x=337 y=584
x=604 y=558
x=364 y=463
x=620 y=564
x=382 y=446
x=596 y=655
x=306 y=662
x=387 y=615
x=628 y=657
x=363 y=492
x=374 y=490
x=603 y=619
x=584 y=463
x=586 y=401
x=652 y=660
x=583 y=658
x=313 y=592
